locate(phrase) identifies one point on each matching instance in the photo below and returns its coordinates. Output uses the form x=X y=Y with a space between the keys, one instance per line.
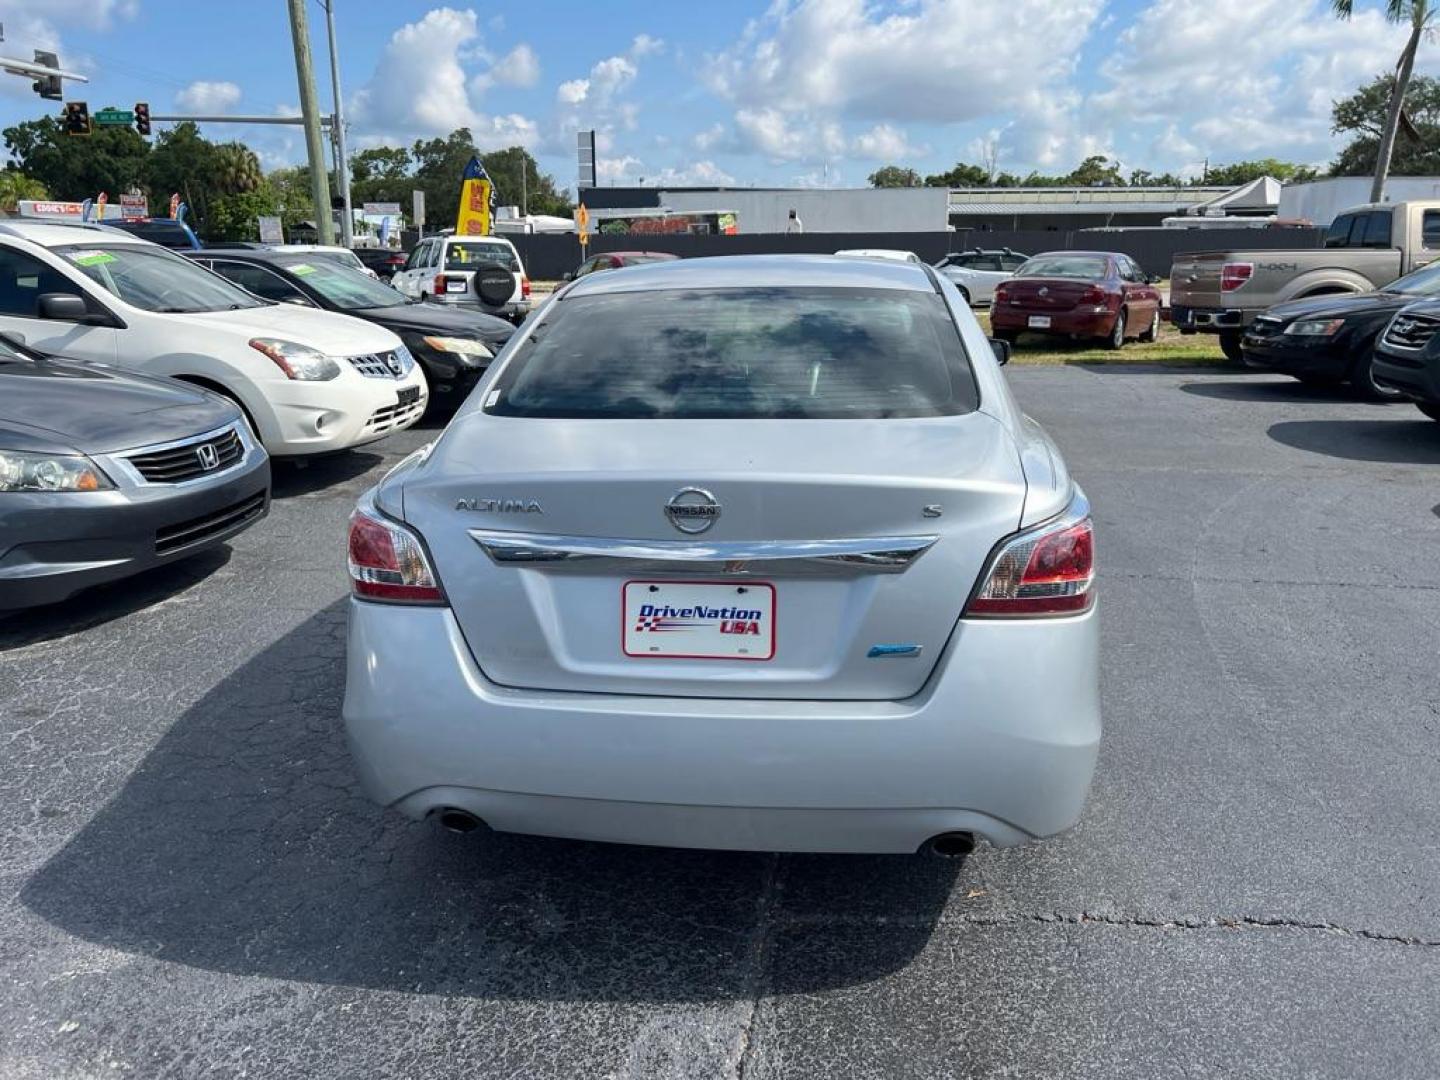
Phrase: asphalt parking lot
x=193 y=886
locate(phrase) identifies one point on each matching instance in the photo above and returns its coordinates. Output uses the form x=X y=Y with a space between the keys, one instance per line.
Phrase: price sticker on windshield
x=301 y=269
x=91 y=258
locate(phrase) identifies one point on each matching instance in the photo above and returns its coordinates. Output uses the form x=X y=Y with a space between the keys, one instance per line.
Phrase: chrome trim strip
x=877 y=554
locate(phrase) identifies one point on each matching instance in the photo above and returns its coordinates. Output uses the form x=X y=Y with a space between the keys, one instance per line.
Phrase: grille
x=1411 y=331
x=387 y=365
x=186 y=534
x=393 y=416
x=1266 y=326
x=190 y=459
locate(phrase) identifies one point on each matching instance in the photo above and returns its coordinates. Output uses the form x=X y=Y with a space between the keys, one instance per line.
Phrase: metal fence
x=547 y=257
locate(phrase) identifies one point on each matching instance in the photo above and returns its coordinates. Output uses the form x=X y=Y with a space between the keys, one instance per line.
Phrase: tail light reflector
x=439 y=285
x=1093 y=295
x=1046 y=571
x=388 y=562
x=1233 y=275
x=525 y=287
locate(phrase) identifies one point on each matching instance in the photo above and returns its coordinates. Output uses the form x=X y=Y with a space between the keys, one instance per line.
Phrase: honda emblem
x=209 y=456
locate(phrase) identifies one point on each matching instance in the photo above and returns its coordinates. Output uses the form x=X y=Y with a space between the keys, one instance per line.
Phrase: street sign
x=417 y=198
x=271 y=231
x=381 y=209
x=115 y=117
x=134 y=206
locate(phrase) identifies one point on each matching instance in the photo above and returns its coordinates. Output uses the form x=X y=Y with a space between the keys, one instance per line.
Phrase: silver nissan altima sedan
x=751 y=553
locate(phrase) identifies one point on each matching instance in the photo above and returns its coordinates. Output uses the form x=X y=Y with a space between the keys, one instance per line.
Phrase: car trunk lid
x=856 y=545
x=1049 y=294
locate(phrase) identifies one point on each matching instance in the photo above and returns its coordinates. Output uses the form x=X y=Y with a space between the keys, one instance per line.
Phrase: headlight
x=296 y=360
x=1314 y=327
x=49 y=472
x=460 y=347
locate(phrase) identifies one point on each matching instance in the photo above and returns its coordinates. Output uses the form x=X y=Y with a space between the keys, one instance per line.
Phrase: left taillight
x=1046 y=571
x=388 y=562
x=525 y=287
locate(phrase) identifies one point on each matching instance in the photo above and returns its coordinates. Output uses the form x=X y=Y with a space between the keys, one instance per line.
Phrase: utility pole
x=314 y=149
x=337 y=131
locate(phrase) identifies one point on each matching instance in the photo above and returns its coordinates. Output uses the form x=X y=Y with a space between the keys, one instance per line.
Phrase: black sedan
x=1327 y=340
x=105 y=473
x=1407 y=357
x=453 y=345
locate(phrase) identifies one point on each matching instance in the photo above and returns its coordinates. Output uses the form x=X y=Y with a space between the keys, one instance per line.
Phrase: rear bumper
x=985 y=747
x=514 y=310
x=1416 y=375
x=1081 y=322
x=53 y=545
x=1208 y=320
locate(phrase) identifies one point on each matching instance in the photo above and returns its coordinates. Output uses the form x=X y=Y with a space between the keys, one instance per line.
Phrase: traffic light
x=48 y=86
x=142 y=117
x=77 y=118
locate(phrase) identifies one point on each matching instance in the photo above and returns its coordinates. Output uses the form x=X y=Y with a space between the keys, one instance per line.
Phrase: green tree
x=1362 y=116
x=293 y=201
x=1242 y=172
x=1146 y=178
x=76 y=167
x=384 y=163
x=236 y=215
x=507 y=167
x=1096 y=171
x=439 y=167
x=962 y=175
x=234 y=169
x=15 y=185
x=1419 y=14
x=181 y=162
x=892 y=176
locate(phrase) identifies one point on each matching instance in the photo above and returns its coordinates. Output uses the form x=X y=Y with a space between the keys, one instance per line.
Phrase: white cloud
x=710 y=138
x=644 y=45
x=610 y=76
x=209 y=97
x=631 y=170
x=785 y=138
x=930 y=61
x=699 y=174
x=619 y=170
x=519 y=67
x=885 y=142
x=573 y=92
x=419 y=85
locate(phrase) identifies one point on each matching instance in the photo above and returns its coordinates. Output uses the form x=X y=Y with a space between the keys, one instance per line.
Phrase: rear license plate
x=1039 y=322
x=407 y=395
x=689 y=620
x=455 y=286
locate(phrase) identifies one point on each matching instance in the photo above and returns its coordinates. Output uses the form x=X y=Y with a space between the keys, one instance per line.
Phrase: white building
x=1321 y=201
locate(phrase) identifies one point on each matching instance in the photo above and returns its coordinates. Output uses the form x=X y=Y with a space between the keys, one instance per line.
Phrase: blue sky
x=802 y=92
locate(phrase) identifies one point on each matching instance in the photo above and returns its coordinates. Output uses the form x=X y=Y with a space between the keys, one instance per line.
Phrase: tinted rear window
x=743 y=354
x=1073 y=266
x=468 y=256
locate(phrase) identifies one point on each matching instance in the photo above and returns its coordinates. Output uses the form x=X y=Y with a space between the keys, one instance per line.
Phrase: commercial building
x=767 y=210
x=1058 y=209
x=1320 y=201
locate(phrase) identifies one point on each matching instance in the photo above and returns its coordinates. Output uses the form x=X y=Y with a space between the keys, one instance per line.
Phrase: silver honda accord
x=750 y=553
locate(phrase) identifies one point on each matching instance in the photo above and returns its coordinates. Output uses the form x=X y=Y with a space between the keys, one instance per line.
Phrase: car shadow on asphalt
x=1399 y=441
x=242 y=845
x=1270 y=389
x=104 y=603
x=292 y=479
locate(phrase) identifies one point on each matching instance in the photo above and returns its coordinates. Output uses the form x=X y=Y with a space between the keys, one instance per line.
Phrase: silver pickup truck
x=1221 y=292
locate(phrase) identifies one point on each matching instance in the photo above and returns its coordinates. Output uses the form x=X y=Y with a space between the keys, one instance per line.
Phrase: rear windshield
x=741 y=354
x=1076 y=266
x=468 y=256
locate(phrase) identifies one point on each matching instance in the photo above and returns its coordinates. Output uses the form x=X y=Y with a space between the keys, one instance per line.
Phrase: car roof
x=898 y=254
x=759 y=271
x=267 y=255
x=61 y=233
x=647 y=254
x=1095 y=254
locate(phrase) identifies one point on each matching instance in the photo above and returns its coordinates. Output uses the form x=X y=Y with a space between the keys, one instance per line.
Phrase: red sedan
x=614 y=260
x=1078 y=294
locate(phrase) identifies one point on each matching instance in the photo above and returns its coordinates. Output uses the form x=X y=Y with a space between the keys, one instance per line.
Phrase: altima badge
x=500 y=506
x=692 y=510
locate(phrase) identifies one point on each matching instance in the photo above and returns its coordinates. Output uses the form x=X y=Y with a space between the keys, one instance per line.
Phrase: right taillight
x=388 y=562
x=1046 y=571
x=1233 y=275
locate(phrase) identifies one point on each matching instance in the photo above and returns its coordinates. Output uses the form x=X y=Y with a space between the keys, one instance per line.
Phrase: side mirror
x=62 y=307
x=1002 y=351
x=567 y=276
x=1154 y=279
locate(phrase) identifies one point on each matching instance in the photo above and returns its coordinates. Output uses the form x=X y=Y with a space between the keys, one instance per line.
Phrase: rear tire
x=1152 y=334
x=1429 y=408
x=1230 y=346
x=1116 y=339
x=1007 y=336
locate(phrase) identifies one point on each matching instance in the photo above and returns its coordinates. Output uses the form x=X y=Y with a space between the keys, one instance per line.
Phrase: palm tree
x=1419 y=14
x=237 y=169
x=15 y=185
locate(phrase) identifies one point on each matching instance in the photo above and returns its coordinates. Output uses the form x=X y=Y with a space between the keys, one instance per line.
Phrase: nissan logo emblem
x=692 y=510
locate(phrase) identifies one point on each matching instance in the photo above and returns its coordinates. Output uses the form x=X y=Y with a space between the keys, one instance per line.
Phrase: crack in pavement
x=759 y=949
x=1080 y=918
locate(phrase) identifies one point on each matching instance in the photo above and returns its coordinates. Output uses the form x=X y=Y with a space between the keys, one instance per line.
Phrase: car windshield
x=636 y=260
x=761 y=353
x=340 y=258
x=345 y=288
x=1071 y=266
x=153 y=279
x=471 y=254
x=1423 y=282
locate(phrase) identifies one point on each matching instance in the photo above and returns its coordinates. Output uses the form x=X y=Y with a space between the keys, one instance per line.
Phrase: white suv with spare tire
x=309 y=381
x=478 y=271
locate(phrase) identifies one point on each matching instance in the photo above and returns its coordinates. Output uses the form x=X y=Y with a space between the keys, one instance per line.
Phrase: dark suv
x=1407 y=356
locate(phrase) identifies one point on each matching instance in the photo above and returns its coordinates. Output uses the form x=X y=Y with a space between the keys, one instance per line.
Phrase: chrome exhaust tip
x=951 y=846
x=456 y=820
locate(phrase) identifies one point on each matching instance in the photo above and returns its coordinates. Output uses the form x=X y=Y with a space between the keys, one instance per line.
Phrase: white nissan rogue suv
x=309 y=381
